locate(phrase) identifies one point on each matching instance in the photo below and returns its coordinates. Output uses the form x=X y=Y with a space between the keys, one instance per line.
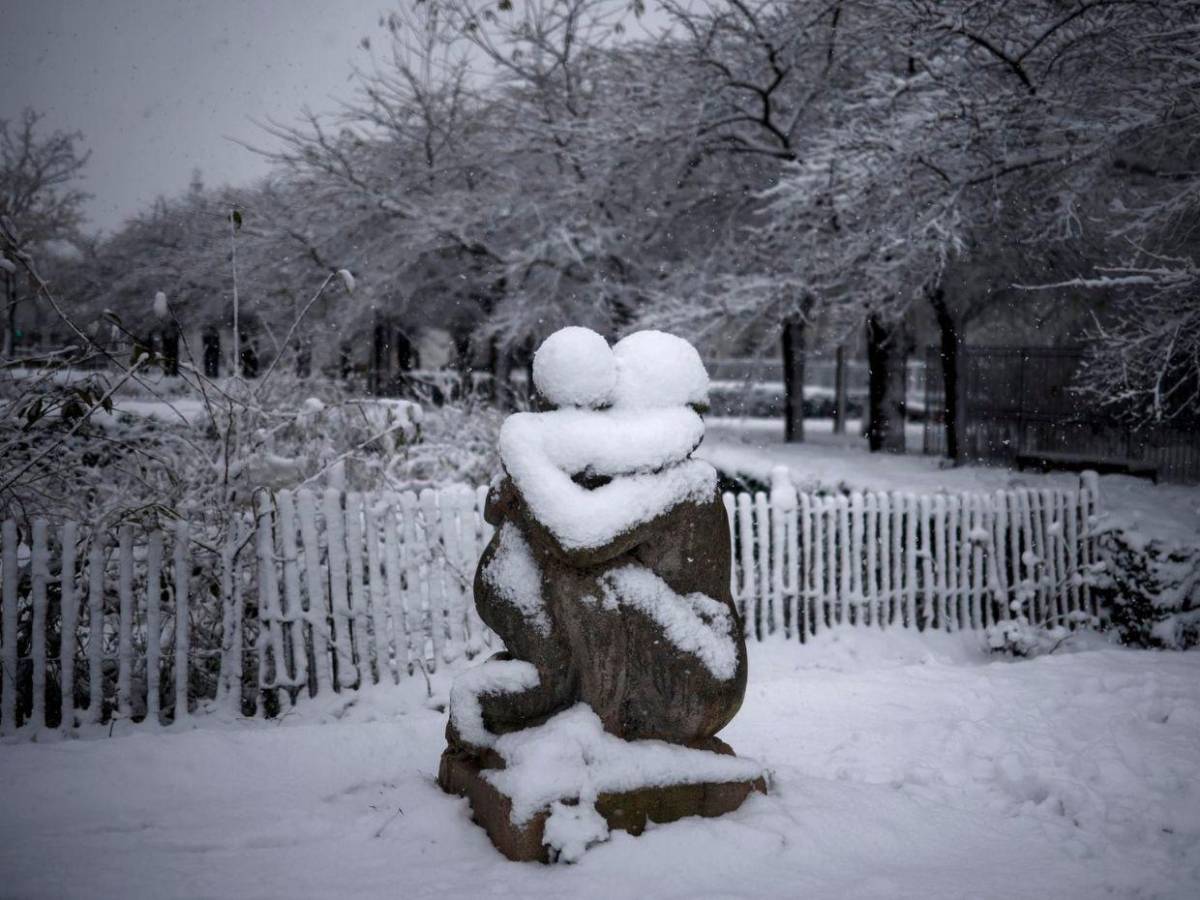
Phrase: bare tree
x=38 y=197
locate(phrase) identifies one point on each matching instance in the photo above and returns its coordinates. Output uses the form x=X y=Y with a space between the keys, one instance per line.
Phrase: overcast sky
x=157 y=85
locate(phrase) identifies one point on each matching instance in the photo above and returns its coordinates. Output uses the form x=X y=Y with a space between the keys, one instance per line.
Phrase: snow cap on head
x=575 y=367
x=656 y=369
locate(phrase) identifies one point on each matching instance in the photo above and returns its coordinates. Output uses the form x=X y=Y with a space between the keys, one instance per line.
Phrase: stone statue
x=608 y=579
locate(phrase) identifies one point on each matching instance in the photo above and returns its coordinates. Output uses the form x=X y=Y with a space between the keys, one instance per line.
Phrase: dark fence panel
x=1022 y=399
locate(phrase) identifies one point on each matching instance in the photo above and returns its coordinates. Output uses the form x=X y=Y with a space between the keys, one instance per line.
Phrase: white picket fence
x=940 y=561
x=331 y=591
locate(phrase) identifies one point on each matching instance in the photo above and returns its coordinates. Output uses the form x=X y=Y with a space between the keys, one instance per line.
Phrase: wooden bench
x=1045 y=460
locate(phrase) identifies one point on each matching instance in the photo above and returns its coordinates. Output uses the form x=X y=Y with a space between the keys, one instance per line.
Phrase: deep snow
x=903 y=766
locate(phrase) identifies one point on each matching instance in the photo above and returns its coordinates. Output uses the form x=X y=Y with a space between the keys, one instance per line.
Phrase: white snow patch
x=581 y=518
x=575 y=367
x=571 y=757
x=515 y=575
x=783 y=492
x=612 y=442
x=496 y=676
x=903 y=765
x=695 y=623
x=570 y=830
x=656 y=369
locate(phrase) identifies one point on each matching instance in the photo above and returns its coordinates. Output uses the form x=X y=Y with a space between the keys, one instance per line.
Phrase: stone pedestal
x=462 y=774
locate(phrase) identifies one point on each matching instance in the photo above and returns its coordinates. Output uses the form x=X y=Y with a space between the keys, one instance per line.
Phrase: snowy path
x=903 y=767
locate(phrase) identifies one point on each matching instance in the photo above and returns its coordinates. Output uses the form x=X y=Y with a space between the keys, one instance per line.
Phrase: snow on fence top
x=332 y=591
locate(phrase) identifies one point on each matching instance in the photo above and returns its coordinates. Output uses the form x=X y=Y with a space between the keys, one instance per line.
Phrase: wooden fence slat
x=1072 y=505
x=69 y=605
x=1089 y=489
x=763 y=609
x=435 y=572
x=807 y=592
x=1060 y=555
x=154 y=551
x=779 y=618
x=96 y=564
x=267 y=601
x=474 y=523
x=857 y=594
x=395 y=591
x=747 y=596
x=229 y=689
x=955 y=536
x=39 y=576
x=416 y=598
x=883 y=606
x=978 y=620
x=941 y=568
x=928 y=594
x=792 y=589
x=910 y=561
x=1031 y=601
x=339 y=603
x=831 y=603
x=896 y=613
x=1013 y=502
x=871 y=572
x=124 y=620
x=8 y=637
x=182 y=621
x=842 y=507
x=377 y=593
x=453 y=584
x=358 y=602
x=292 y=625
x=318 y=611
x=998 y=585
x=1041 y=566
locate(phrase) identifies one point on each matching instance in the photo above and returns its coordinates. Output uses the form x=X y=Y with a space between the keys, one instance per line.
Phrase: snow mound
x=496 y=676
x=656 y=369
x=570 y=830
x=514 y=573
x=575 y=367
x=695 y=623
x=571 y=757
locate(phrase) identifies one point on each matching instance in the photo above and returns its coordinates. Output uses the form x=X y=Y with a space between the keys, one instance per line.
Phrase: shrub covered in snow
x=1151 y=590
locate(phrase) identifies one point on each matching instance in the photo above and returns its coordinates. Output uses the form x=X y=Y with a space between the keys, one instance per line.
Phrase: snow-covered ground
x=1170 y=512
x=903 y=766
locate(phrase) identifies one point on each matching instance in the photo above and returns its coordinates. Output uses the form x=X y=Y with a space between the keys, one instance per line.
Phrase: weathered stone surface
x=461 y=773
x=618 y=661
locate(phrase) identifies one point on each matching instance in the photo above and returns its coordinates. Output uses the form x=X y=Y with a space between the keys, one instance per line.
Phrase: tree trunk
x=10 y=317
x=379 y=378
x=886 y=373
x=839 y=392
x=501 y=364
x=170 y=350
x=950 y=354
x=793 y=380
x=463 y=352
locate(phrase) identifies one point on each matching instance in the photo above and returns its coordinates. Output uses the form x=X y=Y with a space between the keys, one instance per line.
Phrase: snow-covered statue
x=608 y=580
